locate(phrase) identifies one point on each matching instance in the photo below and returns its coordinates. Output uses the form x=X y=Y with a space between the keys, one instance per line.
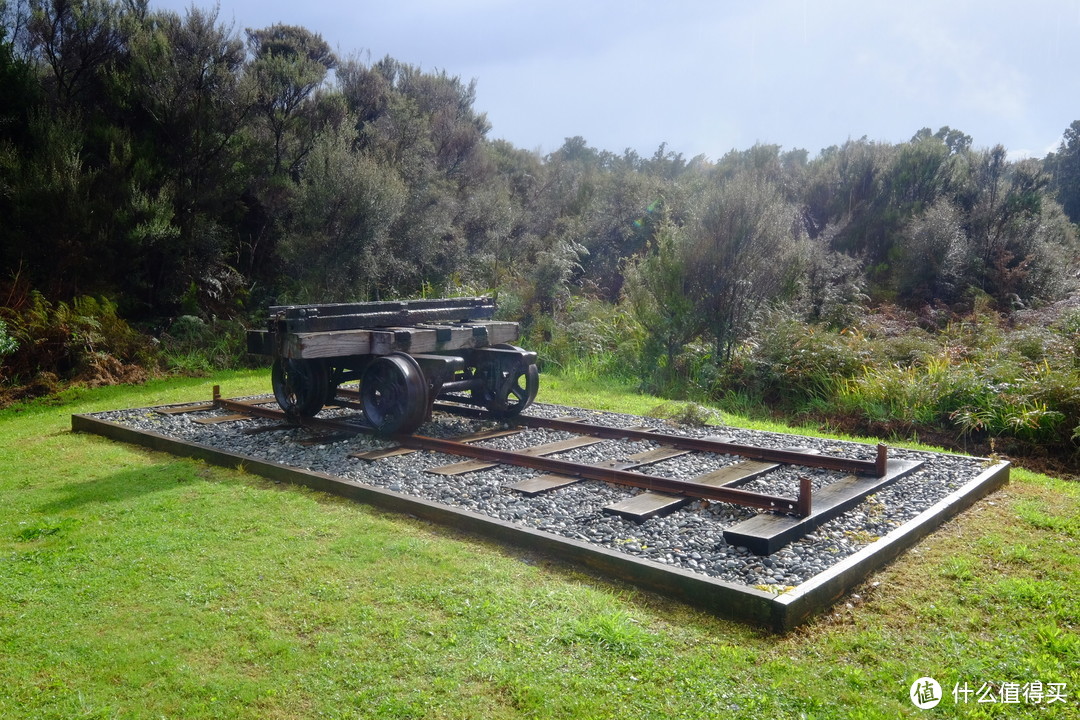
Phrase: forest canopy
x=179 y=166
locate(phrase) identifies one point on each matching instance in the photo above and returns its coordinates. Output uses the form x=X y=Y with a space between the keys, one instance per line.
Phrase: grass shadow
x=122 y=486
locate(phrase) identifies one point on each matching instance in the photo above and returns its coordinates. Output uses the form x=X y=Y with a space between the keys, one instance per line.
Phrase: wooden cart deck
x=417 y=339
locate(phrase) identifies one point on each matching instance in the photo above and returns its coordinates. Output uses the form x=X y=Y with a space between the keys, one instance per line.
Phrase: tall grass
x=588 y=339
x=194 y=346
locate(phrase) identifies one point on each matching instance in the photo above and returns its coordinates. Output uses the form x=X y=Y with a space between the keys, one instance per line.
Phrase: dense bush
x=791 y=361
x=84 y=340
x=979 y=381
x=44 y=345
x=589 y=337
x=192 y=345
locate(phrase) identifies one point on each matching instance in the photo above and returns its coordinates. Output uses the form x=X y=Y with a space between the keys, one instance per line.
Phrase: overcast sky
x=708 y=77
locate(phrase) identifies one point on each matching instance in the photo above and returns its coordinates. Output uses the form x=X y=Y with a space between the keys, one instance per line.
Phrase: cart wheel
x=394 y=394
x=509 y=387
x=300 y=385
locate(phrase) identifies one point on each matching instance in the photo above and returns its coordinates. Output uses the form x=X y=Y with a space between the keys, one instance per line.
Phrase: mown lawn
x=136 y=585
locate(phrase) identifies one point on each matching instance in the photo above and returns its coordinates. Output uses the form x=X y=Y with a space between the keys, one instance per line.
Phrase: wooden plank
x=414 y=340
x=322 y=318
x=737 y=473
x=380 y=320
x=502 y=332
x=646 y=505
x=449 y=336
x=381 y=453
x=395 y=451
x=184 y=409
x=477 y=307
x=427 y=340
x=335 y=344
x=356 y=316
x=460 y=468
x=257 y=401
x=766 y=533
x=655 y=504
x=649 y=457
x=542 y=484
x=546 y=483
x=221 y=419
x=487 y=435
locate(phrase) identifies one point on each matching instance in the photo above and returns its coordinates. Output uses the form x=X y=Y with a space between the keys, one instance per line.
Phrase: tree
x=918 y=175
x=1021 y=246
x=68 y=167
x=78 y=40
x=289 y=64
x=18 y=89
x=659 y=289
x=742 y=254
x=187 y=90
x=956 y=141
x=1065 y=166
x=933 y=256
x=843 y=191
x=339 y=245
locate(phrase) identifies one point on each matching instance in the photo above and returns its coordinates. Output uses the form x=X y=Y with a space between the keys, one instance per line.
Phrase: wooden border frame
x=778 y=612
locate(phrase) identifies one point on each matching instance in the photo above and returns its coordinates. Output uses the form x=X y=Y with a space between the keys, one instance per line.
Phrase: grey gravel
x=690 y=538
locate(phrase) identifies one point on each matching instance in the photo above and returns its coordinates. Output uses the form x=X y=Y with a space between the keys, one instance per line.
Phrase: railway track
x=768 y=561
x=787 y=519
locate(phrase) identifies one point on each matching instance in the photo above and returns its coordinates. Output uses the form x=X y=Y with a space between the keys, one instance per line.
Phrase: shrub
x=789 y=361
x=686 y=413
x=195 y=346
x=602 y=338
x=8 y=344
x=915 y=347
x=916 y=394
x=84 y=340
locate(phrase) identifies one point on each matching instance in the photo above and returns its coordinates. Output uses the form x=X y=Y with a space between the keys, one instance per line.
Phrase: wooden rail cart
x=406 y=354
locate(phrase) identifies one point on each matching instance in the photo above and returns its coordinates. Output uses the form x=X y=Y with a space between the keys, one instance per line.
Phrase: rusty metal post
x=881 y=465
x=805 y=492
x=217 y=393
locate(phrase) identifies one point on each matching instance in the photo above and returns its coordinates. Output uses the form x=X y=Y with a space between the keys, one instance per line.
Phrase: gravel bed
x=690 y=538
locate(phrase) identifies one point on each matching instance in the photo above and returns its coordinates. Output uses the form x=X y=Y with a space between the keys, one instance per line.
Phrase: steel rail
x=606 y=474
x=799 y=506
x=877 y=467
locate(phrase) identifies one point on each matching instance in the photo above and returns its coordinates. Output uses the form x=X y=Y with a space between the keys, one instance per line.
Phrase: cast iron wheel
x=300 y=385
x=394 y=394
x=509 y=388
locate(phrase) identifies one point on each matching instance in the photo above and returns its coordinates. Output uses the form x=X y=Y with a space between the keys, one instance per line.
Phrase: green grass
x=137 y=585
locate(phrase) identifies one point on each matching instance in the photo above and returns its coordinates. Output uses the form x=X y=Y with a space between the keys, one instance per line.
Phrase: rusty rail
x=877 y=467
x=799 y=506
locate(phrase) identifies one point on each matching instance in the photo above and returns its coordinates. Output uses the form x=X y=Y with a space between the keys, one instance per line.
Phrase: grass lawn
x=136 y=585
